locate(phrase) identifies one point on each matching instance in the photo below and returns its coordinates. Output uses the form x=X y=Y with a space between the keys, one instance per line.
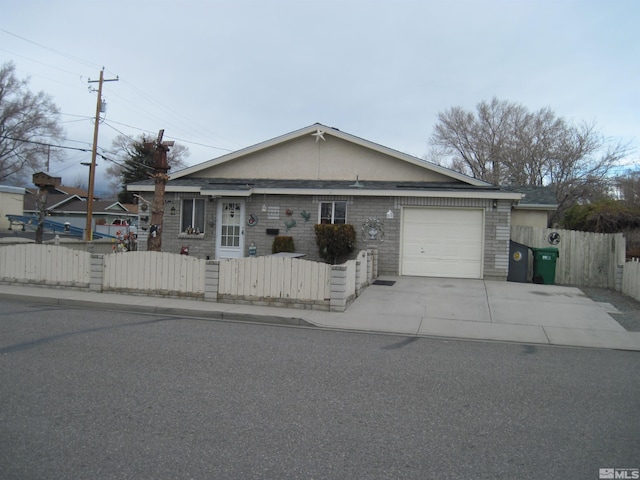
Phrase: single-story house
x=424 y=219
x=536 y=206
x=11 y=201
x=73 y=209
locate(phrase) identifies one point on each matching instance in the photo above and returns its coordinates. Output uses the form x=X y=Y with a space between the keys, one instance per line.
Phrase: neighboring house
x=73 y=209
x=431 y=221
x=62 y=190
x=69 y=204
x=11 y=201
x=535 y=207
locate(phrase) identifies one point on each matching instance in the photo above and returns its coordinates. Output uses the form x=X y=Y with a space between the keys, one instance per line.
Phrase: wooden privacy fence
x=585 y=259
x=631 y=278
x=268 y=280
x=50 y=265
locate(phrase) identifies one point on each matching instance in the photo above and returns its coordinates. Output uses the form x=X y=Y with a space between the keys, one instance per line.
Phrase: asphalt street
x=98 y=394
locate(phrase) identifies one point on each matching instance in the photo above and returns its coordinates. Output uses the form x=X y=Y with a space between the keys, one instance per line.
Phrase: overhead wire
x=104 y=157
x=183 y=122
x=70 y=57
x=173 y=137
x=189 y=123
x=39 y=62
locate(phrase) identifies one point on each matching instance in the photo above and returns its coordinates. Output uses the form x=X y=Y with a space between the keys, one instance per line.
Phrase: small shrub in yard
x=282 y=243
x=335 y=242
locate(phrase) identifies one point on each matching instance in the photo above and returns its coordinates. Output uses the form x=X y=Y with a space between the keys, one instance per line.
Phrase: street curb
x=623 y=341
x=186 y=312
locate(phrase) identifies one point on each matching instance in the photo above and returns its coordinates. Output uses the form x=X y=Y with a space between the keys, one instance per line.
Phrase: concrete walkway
x=430 y=307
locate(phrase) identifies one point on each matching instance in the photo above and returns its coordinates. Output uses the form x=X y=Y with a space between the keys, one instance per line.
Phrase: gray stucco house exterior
x=430 y=221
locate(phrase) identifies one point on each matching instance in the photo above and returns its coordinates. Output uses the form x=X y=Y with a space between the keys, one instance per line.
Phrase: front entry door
x=230 y=229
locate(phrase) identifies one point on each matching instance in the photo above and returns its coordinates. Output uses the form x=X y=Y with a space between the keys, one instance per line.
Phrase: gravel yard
x=629 y=308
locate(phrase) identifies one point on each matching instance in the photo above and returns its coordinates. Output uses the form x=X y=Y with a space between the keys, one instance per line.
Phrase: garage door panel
x=442 y=242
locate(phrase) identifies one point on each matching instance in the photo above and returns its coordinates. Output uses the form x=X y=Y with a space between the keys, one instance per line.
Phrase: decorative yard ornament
x=554 y=238
x=373 y=227
x=290 y=224
x=319 y=134
x=306 y=215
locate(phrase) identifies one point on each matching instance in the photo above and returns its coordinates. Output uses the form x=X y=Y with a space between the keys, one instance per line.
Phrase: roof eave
x=536 y=206
x=356 y=192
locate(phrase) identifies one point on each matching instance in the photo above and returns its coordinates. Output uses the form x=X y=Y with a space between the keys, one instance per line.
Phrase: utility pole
x=160 y=177
x=88 y=233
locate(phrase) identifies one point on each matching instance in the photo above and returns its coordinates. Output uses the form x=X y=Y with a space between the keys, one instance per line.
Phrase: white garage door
x=442 y=242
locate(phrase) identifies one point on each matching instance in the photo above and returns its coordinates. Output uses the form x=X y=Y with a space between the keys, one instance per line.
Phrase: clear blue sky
x=222 y=75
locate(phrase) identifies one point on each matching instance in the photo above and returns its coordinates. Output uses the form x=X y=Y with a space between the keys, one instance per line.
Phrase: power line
x=175 y=116
x=187 y=122
x=171 y=136
x=41 y=63
x=70 y=57
x=45 y=144
x=64 y=147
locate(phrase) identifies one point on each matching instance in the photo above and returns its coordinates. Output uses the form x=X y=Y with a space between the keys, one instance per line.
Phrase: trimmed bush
x=282 y=243
x=603 y=216
x=335 y=242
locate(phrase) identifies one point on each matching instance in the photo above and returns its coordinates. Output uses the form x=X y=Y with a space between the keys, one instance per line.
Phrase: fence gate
x=585 y=259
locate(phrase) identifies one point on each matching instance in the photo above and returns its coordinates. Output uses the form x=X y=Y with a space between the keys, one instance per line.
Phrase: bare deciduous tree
x=504 y=143
x=28 y=122
x=628 y=188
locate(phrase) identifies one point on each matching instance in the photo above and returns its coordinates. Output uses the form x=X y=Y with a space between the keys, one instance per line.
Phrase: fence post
x=96 y=273
x=358 y=277
x=374 y=263
x=338 y=300
x=211 y=280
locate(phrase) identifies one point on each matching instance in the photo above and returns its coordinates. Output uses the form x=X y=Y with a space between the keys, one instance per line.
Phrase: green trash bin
x=544 y=265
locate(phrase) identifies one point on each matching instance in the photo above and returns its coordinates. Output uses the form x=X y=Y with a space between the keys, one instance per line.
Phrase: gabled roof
x=320 y=131
x=73 y=191
x=62 y=190
x=59 y=203
x=73 y=204
x=100 y=206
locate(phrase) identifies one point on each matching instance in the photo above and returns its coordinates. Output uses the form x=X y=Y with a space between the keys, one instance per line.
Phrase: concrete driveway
x=478 y=309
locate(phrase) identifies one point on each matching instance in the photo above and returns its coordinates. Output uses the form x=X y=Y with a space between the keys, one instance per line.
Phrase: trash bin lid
x=539 y=252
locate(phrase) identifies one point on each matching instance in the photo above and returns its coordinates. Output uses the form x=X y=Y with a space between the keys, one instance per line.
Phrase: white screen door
x=230 y=229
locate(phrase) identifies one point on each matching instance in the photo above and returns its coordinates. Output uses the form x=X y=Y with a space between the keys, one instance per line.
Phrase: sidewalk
x=429 y=307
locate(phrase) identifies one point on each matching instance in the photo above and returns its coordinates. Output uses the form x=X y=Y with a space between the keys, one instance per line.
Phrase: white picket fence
x=45 y=265
x=157 y=273
x=266 y=280
x=275 y=278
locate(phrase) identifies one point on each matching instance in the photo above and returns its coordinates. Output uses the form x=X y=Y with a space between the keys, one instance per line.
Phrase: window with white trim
x=192 y=215
x=333 y=212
